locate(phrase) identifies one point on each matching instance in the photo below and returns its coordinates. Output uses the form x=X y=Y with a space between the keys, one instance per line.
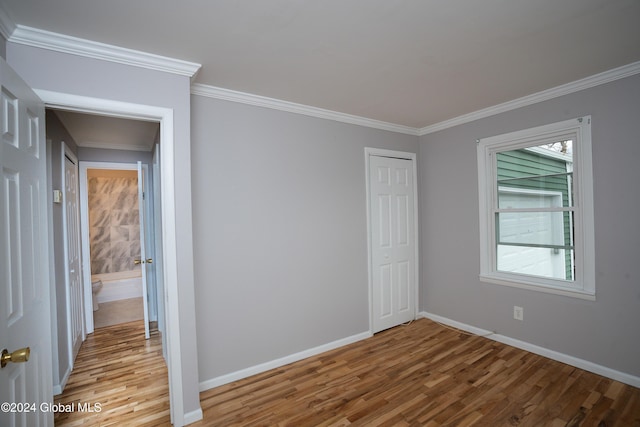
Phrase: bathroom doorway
x=114 y=244
x=114 y=199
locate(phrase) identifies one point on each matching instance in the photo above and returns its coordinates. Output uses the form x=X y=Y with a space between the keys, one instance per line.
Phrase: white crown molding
x=261 y=101
x=545 y=95
x=6 y=24
x=67 y=44
x=277 y=104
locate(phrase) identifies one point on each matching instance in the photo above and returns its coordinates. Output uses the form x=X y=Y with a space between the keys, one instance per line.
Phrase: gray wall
x=64 y=73
x=58 y=135
x=604 y=331
x=280 y=248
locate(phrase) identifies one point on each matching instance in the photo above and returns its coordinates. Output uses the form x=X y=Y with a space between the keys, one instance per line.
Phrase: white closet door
x=392 y=241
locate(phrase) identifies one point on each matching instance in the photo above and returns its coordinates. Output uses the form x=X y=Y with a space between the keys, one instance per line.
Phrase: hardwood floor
x=123 y=373
x=422 y=374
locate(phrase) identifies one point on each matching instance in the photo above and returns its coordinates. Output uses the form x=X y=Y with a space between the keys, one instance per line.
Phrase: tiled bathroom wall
x=114 y=228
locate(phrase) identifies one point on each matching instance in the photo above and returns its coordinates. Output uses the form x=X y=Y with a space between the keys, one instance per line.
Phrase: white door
x=24 y=253
x=145 y=263
x=72 y=252
x=393 y=255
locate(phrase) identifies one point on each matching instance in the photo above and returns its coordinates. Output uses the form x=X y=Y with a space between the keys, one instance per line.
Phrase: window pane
x=539 y=192
x=538 y=170
x=536 y=243
x=542 y=262
x=534 y=228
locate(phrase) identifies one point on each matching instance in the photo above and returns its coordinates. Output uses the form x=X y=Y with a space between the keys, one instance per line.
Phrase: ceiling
x=407 y=62
x=93 y=131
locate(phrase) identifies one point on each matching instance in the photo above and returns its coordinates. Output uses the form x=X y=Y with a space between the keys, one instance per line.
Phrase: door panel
x=24 y=256
x=402 y=212
x=392 y=241
x=386 y=283
x=384 y=220
x=404 y=285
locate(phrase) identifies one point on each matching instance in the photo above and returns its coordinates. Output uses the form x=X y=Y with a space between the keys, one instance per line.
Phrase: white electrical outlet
x=518 y=312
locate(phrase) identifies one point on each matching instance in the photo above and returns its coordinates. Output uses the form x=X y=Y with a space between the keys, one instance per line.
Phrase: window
x=536 y=209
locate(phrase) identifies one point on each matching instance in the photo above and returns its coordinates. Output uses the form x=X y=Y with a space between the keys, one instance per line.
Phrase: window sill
x=569 y=292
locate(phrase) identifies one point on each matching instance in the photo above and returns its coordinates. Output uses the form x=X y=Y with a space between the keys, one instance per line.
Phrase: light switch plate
x=57 y=196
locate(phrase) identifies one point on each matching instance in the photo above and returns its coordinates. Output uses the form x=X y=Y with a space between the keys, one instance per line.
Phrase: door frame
x=164 y=116
x=156 y=234
x=379 y=152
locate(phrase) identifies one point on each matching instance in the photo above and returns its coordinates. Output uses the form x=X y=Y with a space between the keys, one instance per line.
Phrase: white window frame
x=579 y=129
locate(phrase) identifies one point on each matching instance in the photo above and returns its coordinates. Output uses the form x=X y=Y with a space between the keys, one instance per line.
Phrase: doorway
x=166 y=200
x=111 y=233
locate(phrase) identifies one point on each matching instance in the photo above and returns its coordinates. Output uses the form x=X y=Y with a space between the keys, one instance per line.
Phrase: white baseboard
x=257 y=369
x=59 y=388
x=193 y=416
x=551 y=354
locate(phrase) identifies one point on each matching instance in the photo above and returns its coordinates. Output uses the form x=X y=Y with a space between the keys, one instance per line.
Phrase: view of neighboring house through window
x=536 y=212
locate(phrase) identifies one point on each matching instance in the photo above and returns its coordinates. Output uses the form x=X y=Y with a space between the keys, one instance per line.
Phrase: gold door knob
x=17 y=356
x=137 y=261
x=149 y=261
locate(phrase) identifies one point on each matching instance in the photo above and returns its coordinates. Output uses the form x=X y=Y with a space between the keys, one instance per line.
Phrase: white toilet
x=96 y=285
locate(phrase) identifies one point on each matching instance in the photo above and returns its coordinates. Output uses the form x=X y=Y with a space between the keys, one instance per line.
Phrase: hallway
x=119 y=376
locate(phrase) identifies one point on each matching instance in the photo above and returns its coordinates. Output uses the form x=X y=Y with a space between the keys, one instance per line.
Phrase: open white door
x=144 y=262
x=24 y=256
x=75 y=315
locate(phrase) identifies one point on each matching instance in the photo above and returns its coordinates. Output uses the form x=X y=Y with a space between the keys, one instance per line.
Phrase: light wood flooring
x=124 y=373
x=422 y=374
